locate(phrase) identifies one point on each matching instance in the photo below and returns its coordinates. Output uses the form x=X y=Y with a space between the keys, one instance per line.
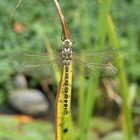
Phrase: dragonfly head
x=67 y=44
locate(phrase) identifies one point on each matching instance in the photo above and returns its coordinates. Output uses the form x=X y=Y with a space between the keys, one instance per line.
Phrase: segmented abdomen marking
x=66 y=88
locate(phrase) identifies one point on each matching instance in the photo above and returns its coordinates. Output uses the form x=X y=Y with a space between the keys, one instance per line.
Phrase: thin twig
x=65 y=29
x=14 y=9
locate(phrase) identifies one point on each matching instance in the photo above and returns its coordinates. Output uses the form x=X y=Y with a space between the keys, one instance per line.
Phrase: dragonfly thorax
x=66 y=51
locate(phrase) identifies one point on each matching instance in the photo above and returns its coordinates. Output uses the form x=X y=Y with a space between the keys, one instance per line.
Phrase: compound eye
x=67 y=42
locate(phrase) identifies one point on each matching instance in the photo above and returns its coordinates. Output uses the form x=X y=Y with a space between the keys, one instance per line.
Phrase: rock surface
x=29 y=101
x=20 y=81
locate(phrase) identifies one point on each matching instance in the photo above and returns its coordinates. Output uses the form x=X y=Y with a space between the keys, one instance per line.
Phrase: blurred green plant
x=126 y=116
x=30 y=25
x=89 y=98
x=12 y=128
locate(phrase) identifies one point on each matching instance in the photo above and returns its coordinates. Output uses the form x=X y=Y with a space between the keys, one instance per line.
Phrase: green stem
x=55 y=67
x=127 y=123
x=84 y=25
x=84 y=28
x=100 y=41
x=81 y=97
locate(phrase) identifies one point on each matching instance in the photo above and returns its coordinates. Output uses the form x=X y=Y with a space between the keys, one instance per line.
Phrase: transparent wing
x=96 y=61
x=102 y=54
x=37 y=62
x=37 y=57
x=105 y=69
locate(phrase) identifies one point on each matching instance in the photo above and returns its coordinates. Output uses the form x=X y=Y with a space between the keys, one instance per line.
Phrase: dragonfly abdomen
x=66 y=88
x=66 y=57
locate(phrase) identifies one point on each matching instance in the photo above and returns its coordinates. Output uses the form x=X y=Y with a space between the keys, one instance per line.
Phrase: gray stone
x=20 y=81
x=29 y=101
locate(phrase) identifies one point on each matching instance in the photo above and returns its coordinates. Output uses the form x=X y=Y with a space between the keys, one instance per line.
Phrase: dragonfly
x=66 y=56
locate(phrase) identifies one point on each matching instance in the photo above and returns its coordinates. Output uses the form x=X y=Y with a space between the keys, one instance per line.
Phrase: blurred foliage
x=35 y=20
x=30 y=25
x=33 y=130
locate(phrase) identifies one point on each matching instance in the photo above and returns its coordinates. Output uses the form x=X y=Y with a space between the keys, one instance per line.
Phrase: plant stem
x=84 y=33
x=127 y=122
x=100 y=41
x=63 y=120
x=55 y=67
